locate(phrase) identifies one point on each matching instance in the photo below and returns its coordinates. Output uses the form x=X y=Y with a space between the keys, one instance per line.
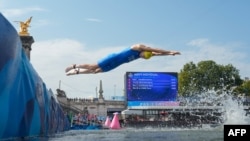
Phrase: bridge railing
x=69 y=106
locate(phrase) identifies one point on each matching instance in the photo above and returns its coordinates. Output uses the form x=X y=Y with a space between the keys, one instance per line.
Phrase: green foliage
x=207 y=75
x=243 y=89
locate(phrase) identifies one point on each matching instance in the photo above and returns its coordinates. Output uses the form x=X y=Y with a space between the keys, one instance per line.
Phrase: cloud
x=93 y=20
x=22 y=12
x=15 y=12
x=207 y=50
x=203 y=49
x=50 y=58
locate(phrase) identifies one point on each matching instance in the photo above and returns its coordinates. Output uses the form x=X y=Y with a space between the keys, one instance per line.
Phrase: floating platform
x=178 y=116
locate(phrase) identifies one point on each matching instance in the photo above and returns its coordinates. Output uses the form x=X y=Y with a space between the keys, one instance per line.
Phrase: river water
x=235 y=114
x=145 y=134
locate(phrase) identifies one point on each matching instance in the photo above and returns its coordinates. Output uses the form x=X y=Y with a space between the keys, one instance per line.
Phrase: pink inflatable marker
x=115 y=124
x=107 y=122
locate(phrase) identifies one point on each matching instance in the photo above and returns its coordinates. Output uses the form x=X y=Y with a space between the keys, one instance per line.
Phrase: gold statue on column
x=24 y=27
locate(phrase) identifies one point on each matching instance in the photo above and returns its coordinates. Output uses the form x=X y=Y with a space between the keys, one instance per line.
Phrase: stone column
x=101 y=91
x=27 y=41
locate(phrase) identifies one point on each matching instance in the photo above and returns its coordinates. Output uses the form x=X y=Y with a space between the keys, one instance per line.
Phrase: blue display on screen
x=148 y=88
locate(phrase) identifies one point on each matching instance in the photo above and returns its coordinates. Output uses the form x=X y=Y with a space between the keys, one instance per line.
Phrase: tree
x=207 y=75
x=186 y=82
x=243 y=89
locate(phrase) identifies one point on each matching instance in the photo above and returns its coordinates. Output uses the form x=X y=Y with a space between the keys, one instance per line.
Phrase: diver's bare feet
x=70 y=68
x=72 y=72
x=175 y=53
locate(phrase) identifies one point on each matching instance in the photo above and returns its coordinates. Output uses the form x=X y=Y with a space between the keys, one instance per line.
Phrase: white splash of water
x=235 y=112
x=232 y=106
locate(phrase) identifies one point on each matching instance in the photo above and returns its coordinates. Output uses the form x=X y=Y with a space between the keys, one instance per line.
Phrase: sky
x=84 y=31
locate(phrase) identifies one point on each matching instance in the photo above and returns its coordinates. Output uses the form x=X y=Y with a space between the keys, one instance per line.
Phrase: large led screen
x=151 y=89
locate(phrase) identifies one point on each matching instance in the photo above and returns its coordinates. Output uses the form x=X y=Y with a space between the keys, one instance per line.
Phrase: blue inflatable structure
x=27 y=107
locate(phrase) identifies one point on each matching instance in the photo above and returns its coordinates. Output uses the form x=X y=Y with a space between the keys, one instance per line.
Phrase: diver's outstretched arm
x=155 y=51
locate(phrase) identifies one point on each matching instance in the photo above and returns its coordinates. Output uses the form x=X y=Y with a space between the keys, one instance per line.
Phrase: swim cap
x=147 y=54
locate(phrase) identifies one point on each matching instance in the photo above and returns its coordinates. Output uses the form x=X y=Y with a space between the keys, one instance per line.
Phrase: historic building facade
x=97 y=106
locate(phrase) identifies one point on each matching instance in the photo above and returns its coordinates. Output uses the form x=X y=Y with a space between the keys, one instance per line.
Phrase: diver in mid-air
x=116 y=59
